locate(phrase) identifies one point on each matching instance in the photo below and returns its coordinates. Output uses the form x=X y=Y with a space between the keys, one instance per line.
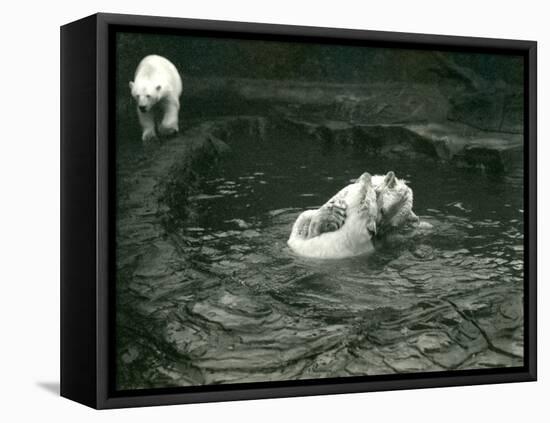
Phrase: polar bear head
x=395 y=202
x=146 y=94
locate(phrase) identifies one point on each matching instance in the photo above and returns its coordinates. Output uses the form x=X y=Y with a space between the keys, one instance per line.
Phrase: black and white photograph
x=304 y=210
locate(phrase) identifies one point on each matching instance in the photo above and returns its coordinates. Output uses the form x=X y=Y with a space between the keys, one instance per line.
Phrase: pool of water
x=218 y=297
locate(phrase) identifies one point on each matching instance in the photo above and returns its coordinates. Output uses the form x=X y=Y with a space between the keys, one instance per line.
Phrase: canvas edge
x=78 y=311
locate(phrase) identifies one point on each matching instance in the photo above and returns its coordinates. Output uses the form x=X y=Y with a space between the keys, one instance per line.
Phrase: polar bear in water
x=346 y=224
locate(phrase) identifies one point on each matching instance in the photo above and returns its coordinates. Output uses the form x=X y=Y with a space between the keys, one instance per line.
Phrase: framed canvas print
x=254 y=211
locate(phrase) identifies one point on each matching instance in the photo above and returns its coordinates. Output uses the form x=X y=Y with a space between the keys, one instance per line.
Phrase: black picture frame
x=87 y=157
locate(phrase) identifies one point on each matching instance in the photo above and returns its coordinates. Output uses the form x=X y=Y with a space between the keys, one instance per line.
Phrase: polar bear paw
x=168 y=130
x=329 y=218
x=148 y=136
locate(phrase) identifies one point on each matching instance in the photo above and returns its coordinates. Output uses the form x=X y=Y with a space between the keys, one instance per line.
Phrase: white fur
x=395 y=201
x=352 y=239
x=156 y=89
x=392 y=202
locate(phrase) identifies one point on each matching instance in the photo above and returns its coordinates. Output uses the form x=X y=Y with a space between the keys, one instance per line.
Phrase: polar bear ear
x=389 y=179
x=131 y=85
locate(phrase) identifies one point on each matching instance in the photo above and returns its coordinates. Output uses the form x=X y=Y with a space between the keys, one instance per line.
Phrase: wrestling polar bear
x=346 y=224
x=156 y=89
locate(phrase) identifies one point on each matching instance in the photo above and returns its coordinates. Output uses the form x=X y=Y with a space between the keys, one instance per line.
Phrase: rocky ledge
x=475 y=127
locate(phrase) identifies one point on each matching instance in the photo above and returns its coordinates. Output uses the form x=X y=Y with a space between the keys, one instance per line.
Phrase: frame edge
x=78 y=212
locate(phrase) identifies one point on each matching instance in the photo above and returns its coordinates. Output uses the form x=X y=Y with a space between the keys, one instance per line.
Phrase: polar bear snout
x=145 y=102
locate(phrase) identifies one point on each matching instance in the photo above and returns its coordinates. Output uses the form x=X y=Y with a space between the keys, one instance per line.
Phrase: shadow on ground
x=50 y=387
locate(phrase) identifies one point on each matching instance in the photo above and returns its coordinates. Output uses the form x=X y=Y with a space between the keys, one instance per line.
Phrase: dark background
x=237 y=58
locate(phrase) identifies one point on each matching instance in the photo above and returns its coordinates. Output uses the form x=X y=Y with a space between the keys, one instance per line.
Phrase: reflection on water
x=219 y=298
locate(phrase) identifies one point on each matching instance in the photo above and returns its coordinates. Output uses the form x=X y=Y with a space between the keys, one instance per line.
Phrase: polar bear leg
x=147 y=121
x=330 y=217
x=169 y=124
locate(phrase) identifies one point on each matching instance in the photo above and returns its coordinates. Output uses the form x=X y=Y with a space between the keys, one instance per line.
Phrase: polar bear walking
x=156 y=89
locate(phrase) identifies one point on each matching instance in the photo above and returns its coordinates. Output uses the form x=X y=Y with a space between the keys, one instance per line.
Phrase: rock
x=250 y=233
x=424 y=252
x=490 y=359
x=403 y=359
x=239 y=222
x=433 y=342
x=130 y=355
x=463 y=146
x=489 y=111
x=220 y=146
